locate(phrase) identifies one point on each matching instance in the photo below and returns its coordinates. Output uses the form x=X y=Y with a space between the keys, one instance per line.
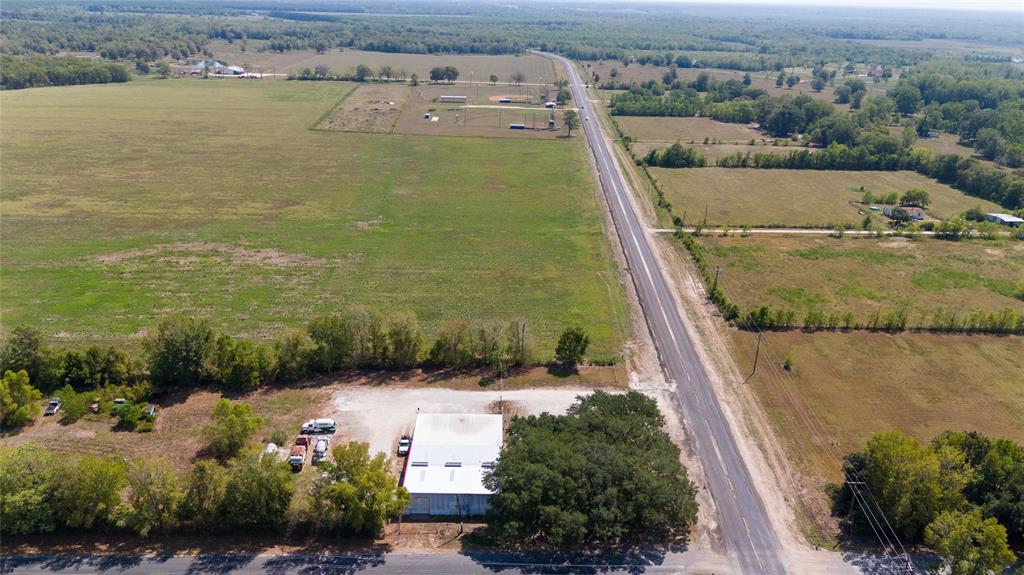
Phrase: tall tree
x=203 y=494
x=24 y=348
x=572 y=347
x=405 y=340
x=519 y=344
x=19 y=401
x=178 y=351
x=604 y=473
x=257 y=493
x=152 y=498
x=232 y=427
x=969 y=544
x=87 y=490
x=571 y=120
x=27 y=480
x=357 y=493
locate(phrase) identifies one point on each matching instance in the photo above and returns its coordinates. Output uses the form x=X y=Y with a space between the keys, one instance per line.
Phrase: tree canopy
x=605 y=473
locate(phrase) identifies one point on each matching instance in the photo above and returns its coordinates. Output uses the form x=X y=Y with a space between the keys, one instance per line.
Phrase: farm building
x=914 y=212
x=1005 y=220
x=446 y=464
x=452 y=99
x=196 y=68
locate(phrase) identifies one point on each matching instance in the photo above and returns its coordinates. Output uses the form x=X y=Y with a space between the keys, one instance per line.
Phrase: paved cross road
x=741 y=512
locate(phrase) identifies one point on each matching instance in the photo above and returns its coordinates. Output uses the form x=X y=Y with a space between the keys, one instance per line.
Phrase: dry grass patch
x=370 y=108
x=685 y=130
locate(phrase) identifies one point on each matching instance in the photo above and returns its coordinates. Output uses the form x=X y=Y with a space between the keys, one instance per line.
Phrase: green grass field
x=861 y=275
x=125 y=203
x=796 y=197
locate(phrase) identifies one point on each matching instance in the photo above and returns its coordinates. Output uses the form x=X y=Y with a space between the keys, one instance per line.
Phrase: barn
x=446 y=464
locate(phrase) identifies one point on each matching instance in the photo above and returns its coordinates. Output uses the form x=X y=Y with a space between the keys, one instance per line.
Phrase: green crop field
x=861 y=275
x=796 y=197
x=126 y=203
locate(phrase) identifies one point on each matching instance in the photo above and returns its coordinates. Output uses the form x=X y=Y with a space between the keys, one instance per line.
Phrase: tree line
x=962 y=494
x=18 y=73
x=184 y=352
x=42 y=491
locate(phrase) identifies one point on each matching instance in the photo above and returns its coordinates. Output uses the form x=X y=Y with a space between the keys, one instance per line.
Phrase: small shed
x=449 y=99
x=446 y=463
x=1005 y=220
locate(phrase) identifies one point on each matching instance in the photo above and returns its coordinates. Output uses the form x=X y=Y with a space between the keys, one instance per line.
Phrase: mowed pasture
x=685 y=130
x=863 y=275
x=123 y=204
x=844 y=387
x=755 y=197
x=471 y=66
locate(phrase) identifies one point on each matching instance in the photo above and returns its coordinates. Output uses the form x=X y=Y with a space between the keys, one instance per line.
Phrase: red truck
x=297 y=457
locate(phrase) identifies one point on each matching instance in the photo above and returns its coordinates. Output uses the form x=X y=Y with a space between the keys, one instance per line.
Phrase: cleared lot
x=368 y=108
x=797 y=197
x=864 y=275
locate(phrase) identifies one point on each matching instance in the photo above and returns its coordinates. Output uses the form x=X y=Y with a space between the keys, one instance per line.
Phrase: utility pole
x=757 y=353
x=705 y=213
x=718 y=270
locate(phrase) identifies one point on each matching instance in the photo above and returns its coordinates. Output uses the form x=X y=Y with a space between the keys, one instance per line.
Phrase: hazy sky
x=1000 y=5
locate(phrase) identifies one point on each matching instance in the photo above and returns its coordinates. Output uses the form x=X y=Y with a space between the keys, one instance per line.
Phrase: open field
x=796 y=197
x=482 y=114
x=855 y=384
x=669 y=130
x=368 y=108
x=471 y=67
x=126 y=203
x=861 y=275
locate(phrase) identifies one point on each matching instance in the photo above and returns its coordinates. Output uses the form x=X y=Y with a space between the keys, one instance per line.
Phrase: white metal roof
x=449 y=452
x=1006 y=218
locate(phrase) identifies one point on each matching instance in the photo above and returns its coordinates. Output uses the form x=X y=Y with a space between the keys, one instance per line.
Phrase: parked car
x=270 y=449
x=94 y=407
x=151 y=411
x=320 y=450
x=403 y=445
x=120 y=401
x=53 y=407
x=303 y=440
x=297 y=457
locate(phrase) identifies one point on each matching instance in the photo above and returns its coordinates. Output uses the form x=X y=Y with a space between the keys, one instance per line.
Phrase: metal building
x=446 y=464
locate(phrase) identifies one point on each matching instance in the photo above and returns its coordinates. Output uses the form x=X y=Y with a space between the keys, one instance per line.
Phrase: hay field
x=796 y=197
x=126 y=203
x=855 y=384
x=863 y=275
x=669 y=130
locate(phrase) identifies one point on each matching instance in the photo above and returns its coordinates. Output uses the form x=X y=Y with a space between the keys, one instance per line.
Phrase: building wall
x=448 y=504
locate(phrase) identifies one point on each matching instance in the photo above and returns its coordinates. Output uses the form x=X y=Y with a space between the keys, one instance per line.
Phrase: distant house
x=1005 y=220
x=198 y=67
x=914 y=212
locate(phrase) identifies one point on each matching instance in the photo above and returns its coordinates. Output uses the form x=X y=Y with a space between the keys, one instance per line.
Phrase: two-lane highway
x=741 y=512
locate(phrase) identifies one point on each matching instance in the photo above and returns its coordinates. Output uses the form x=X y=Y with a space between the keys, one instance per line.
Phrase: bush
x=232 y=427
x=572 y=347
x=19 y=401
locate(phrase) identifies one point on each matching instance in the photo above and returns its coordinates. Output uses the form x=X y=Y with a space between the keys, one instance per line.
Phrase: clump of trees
x=444 y=74
x=606 y=473
x=18 y=73
x=962 y=494
x=676 y=156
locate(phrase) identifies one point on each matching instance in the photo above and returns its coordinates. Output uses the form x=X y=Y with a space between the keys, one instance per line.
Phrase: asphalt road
x=690 y=562
x=741 y=512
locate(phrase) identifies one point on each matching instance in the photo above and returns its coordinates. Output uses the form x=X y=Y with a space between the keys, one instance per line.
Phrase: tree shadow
x=219 y=564
x=562 y=371
x=314 y=564
x=634 y=560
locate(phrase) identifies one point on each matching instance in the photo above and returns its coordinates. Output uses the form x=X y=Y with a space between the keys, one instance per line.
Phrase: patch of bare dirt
x=185 y=254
